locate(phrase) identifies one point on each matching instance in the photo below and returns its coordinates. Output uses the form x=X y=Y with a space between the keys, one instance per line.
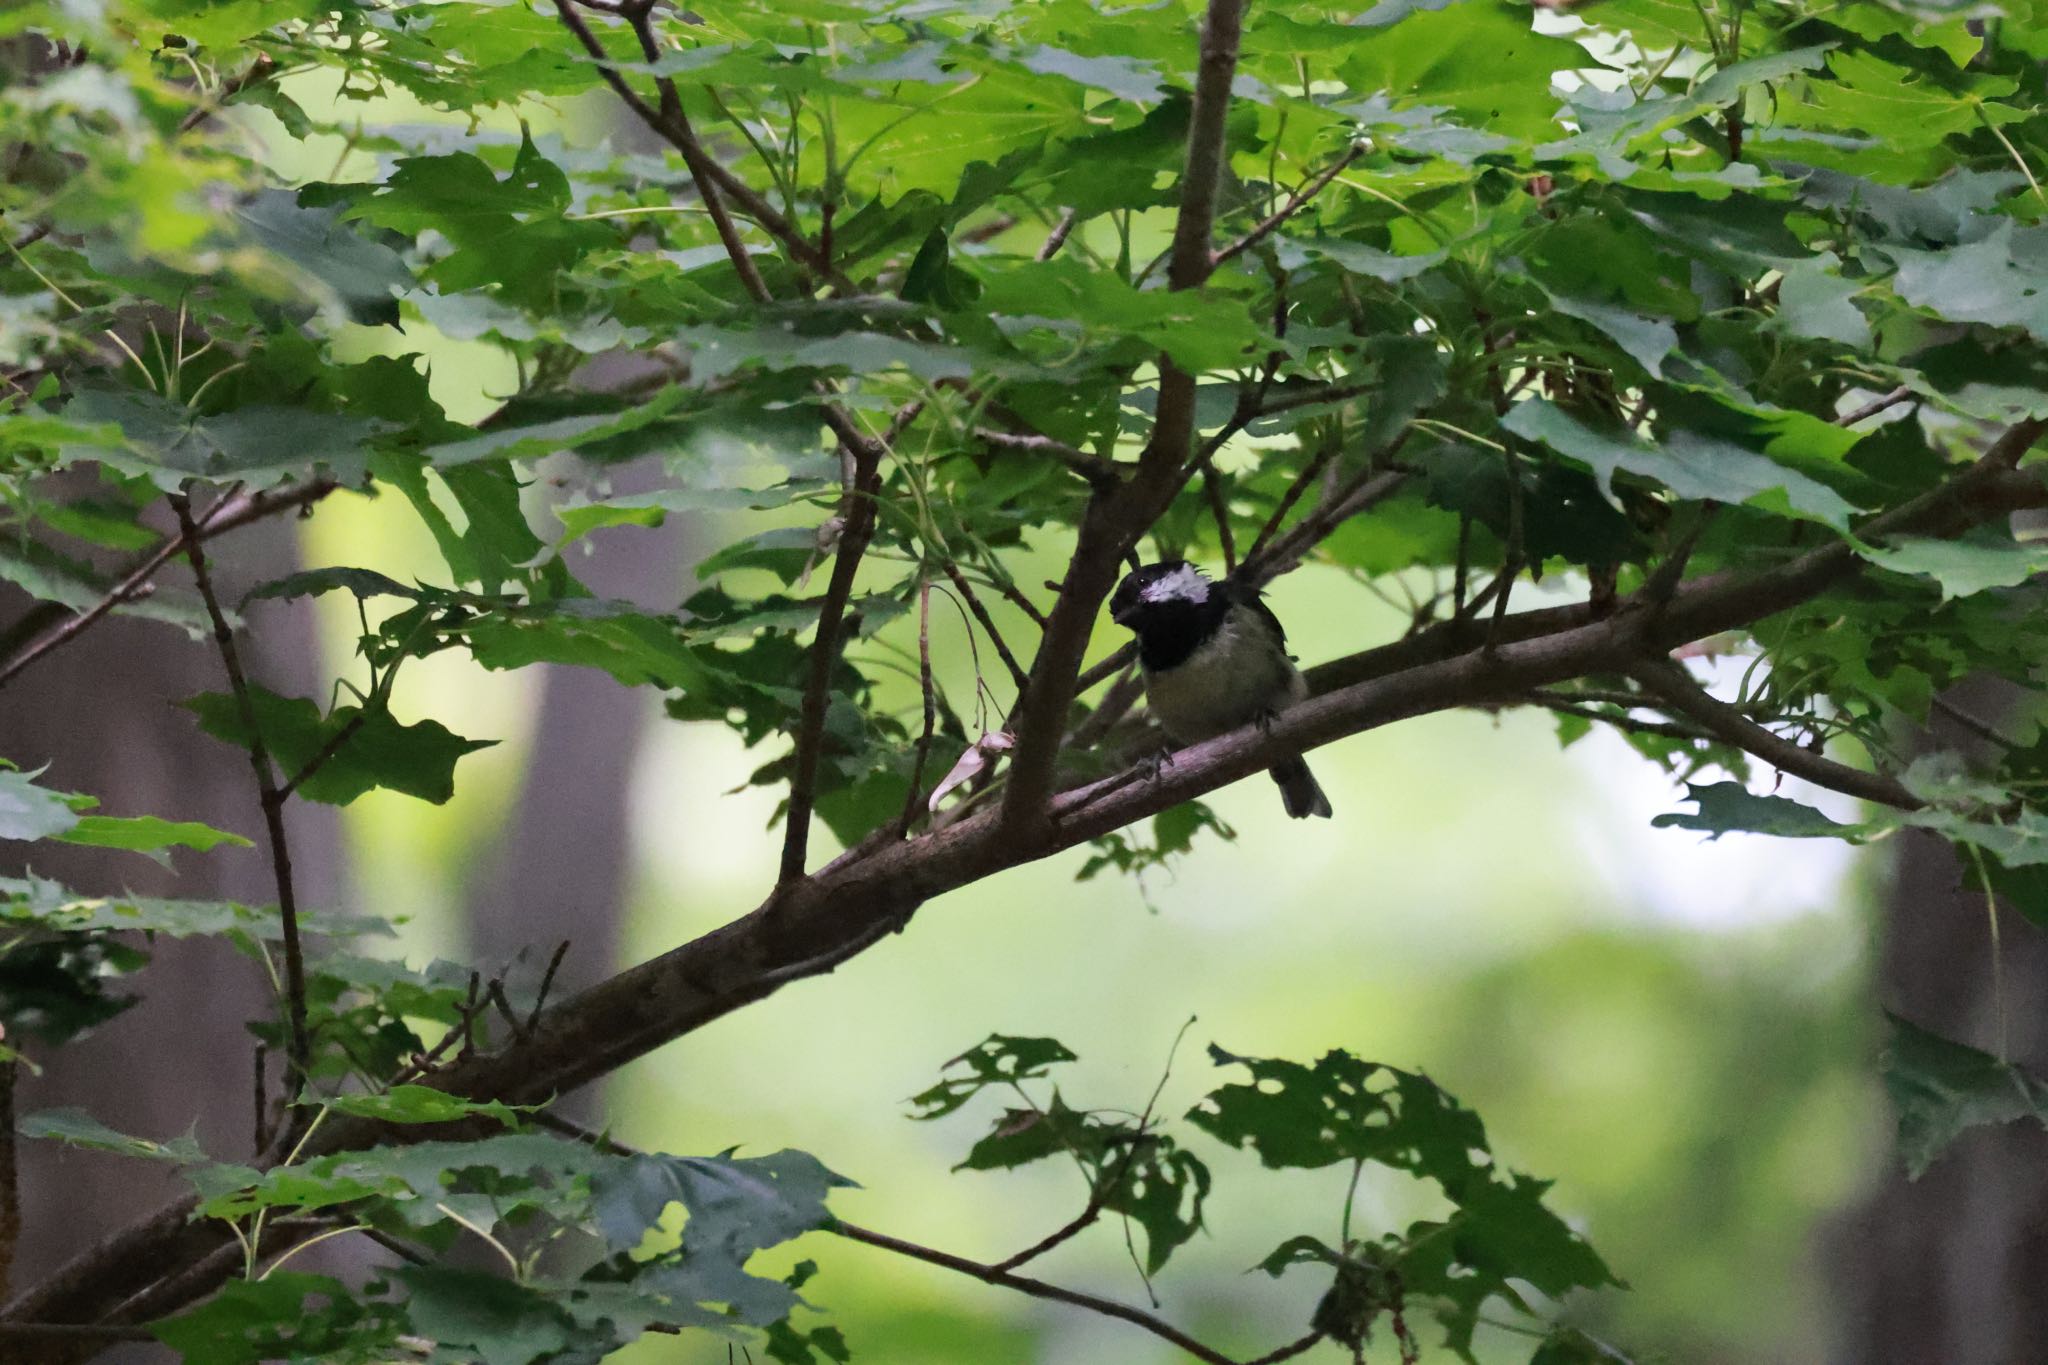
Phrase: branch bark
x=1670 y=682
x=858 y=527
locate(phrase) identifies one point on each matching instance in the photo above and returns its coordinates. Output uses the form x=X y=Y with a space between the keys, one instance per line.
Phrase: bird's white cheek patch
x=1184 y=584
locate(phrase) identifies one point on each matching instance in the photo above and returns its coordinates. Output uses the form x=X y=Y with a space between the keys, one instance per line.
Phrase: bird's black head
x=1170 y=606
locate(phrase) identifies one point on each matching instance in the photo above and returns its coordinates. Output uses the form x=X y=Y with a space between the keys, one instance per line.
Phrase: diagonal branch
x=49 y=626
x=1268 y=225
x=704 y=167
x=1678 y=690
x=1038 y=1289
x=988 y=625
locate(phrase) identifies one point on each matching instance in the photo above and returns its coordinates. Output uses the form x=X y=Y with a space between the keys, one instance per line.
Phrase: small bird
x=1214 y=658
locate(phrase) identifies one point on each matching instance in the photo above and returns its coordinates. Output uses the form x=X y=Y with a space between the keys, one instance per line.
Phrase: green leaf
x=148 y=834
x=376 y=751
x=58 y=910
x=363 y=583
x=76 y=1128
x=1343 y=1109
x=29 y=812
x=502 y=1322
x=1730 y=806
x=420 y=1104
x=284 y=1315
x=1973 y=563
x=736 y=1206
x=997 y=1060
x=262 y=445
x=1942 y=1089
x=1815 y=301
x=363 y=276
x=1690 y=465
x=1570 y=1346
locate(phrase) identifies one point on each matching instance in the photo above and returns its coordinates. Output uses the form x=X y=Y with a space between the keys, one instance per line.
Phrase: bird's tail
x=1298 y=789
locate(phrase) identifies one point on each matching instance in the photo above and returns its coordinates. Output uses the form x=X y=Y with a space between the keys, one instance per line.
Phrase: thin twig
x=334 y=745
x=678 y=134
x=1287 y=1352
x=1038 y=1289
x=257 y=70
x=915 y=795
x=1057 y=238
x=1219 y=509
x=1663 y=581
x=1116 y=703
x=1109 y=667
x=272 y=800
x=1362 y=491
x=503 y=1004
x=1271 y=223
x=1301 y=483
x=1620 y=720
x=1289 y=399
x=988 y=625
x=547 y=983
x=1096 y=470
x=1979 y=728
x=1875 y=406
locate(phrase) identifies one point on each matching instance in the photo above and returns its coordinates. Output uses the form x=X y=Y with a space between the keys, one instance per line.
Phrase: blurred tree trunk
x=561 y=868
x=1952 y=1269
x=100 y=713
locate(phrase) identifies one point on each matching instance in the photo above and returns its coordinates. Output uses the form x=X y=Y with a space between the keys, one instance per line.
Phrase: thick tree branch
x=1115 y=520
x=1677 y=689
x=812 y=926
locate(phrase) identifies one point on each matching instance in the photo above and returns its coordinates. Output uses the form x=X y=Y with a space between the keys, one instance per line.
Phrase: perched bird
x=1214 y=658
